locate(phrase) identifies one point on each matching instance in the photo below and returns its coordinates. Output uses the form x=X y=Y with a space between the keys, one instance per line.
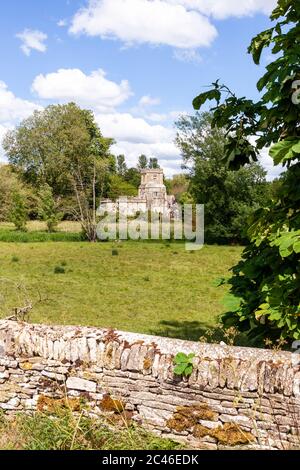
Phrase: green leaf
x=181 y=358
x=191 y=356
x=296 y=246
x=213 y=94
x=296 y=147
x=278 y=151
x=188 y=371
x=231 y=303
x=179 y=370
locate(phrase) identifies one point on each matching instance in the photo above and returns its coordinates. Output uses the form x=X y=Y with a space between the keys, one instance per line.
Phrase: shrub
x=59 y=270
x=18 y=212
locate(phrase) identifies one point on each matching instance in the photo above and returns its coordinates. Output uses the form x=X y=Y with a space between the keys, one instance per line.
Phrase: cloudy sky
x=136 y=63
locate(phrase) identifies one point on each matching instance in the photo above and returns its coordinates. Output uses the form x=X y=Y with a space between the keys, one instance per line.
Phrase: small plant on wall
x=183 y=364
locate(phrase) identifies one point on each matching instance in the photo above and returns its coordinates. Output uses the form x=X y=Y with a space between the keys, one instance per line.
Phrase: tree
x=143 y=162
x=118 y=187
x=265 y=286
x=63 y=147
x=9 y=184
x=48 y=209
x=229 y=197
x=133 y=176
x=177 y=185
x=18 y=211
x=121 y=165
x=153 y=163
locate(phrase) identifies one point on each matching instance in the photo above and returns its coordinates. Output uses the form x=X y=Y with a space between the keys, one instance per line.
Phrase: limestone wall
x=235 y=397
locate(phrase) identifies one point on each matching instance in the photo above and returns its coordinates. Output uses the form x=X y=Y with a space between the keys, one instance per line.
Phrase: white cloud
x=32 y=39
x=182 y=24
x=3 y=130
x=12 y=111
x=94 y=91
x=157 y=117
x=149 y=101
x=221 y=9
x=125 y=127
x=144 y=21
x=135 y=136
x=268 y=164
x=62 y=23
x=12 y=108
x=188 y=55
x=166 y=152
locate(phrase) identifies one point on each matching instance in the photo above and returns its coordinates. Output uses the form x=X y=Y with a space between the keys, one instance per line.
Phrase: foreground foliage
x=265 y=287
x=67 y=431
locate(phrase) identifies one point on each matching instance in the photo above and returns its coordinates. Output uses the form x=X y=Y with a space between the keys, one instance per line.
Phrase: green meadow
x=147 y=287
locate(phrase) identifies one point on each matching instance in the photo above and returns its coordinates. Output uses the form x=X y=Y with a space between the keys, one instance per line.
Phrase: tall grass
x=34 y=237
x=65 y=430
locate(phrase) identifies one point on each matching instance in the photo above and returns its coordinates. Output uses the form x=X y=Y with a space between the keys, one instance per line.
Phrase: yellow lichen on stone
x=180 y=423
x=111 y=404
x=54 y=405
x=189 y=417
x=232 y=435
x=26 y=365
x=227 y=434
x=148 y=362
x=200 y=431
x=197 y=412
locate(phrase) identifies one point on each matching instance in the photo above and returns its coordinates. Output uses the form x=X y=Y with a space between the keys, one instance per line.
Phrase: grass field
x=148 y=287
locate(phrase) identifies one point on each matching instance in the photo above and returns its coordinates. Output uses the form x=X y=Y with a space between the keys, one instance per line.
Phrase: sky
x=137 y=64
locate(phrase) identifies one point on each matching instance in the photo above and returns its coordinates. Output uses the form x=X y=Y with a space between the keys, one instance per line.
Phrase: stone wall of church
x=234 y=398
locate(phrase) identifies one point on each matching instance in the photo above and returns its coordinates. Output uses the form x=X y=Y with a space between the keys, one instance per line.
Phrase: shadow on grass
x=187 y=330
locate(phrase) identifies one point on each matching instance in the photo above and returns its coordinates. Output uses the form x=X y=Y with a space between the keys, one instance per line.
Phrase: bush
x=18 y=212
x=59 y=270
x=48 y=209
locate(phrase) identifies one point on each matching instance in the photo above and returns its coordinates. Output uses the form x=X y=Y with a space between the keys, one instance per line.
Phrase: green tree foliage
x=153 y=163
x=9 y=184
x=63 y=147
x=121 y=165
x=229 y=196
x=265 y=286
x=177 y=185
x=18 y=211
x=133 y=176
x=143 y=162
x=48 y=208
x=119 y=187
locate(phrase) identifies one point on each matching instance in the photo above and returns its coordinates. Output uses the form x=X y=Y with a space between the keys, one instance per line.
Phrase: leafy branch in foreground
x=265 y=286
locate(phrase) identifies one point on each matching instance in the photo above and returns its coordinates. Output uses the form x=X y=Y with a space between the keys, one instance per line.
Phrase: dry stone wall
x=235 y=397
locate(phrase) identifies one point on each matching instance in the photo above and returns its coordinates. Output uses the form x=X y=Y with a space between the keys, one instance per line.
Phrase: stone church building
x=152 y=196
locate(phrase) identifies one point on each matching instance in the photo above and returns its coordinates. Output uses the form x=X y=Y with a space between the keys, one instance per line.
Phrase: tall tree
x=265 y=286
x=229 y=197
x=143 y=162
x=153 y=163
x=63 y=147
x=121 y=165
x=133 y=176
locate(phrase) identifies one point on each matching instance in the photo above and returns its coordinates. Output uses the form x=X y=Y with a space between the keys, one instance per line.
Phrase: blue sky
x=136 y=63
